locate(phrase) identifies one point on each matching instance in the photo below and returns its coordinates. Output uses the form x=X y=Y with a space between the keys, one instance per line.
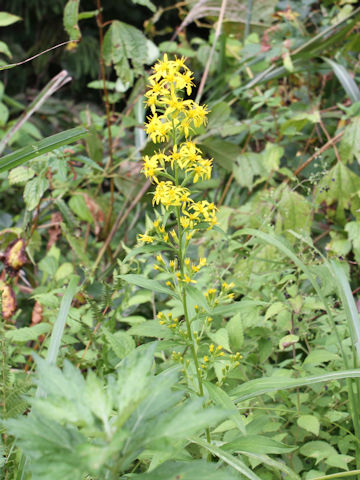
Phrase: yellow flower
x=145 y=238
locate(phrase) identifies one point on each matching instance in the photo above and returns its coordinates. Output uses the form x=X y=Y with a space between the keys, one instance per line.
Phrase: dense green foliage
x=111 y=365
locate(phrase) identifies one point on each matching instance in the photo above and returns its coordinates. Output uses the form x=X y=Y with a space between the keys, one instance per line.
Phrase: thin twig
x=109 y=164
x=53 y=86
x=212 y=51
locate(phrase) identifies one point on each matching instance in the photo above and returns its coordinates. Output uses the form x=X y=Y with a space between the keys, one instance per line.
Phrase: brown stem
x=109 y=164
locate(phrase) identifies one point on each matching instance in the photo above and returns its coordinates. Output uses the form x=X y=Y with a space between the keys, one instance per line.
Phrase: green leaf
x=8 y=19
x=236 y=332
x=272 y=156
x=150 y=328
x=350 y=142
x=223 y=152
x=71 y=17
x=39 y=148
x=287 y=341
x=345 y=79
x=146 y=3
x=221 y=398
x=310 y=423
x=78 y=206
x=34 y=190
x=26 y=334
x=258 y=444
x=195 y=469
x=148 y=284
x=124 y=43
x=338 y=185
x=318 y=356
x=219 y=114
x=246 y=167
x=259 y=386
x=226 y=457
x=20 y=175
x=317 y=449
x=4 y=114
x=221 y=338
x=294 y=213
x=60 y=322
x=120 y=342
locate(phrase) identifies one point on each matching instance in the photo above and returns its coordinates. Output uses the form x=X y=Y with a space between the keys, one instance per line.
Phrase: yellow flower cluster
x=172 y=120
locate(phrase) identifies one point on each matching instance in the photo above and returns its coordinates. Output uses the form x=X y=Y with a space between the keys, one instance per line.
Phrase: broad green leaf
x=147 y=283
x=123 y=44
x=258 y=444
x=71 y=17
x=20 y=175
x=194 y=469
x=246 y=167
x=288 y=340
x=310 y=423
x=221 y=338
x=350 y=142
x=223 y=152
x=220 y=112
x=46 y=145
x=338 y=185
x=8 y=19
x=275 y=464
x=27 y=334
x=294 y=213
x=34 y=190
x=259 y=386
x=120 y=342
x=353 y=230
x=150 y=328
x=318 y=356
x=274 y=309
x=79 y=207
x=317 y=449
x=272 y=156
x=236 y=332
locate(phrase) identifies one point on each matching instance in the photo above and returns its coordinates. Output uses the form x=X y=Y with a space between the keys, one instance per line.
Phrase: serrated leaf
x=120 y=342
x=274 y=309
x=272 y=156
x=221 y=338
x=150 y=328
x=26 y=334
x=124 y=43
x=20 y=175
x=246 y=167
x=310 y=423
x=147 y=283
x=34 y=190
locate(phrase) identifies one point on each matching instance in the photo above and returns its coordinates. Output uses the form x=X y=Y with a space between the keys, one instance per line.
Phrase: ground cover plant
x=179 y=240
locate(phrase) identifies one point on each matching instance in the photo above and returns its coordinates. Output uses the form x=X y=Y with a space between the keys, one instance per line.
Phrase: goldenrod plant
x=175 y=169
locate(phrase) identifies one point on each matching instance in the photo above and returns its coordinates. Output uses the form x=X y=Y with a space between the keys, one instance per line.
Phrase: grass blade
x=60 y=322
x=259 y=386
x=226 y=457
x=46 y=145
x=345 y=79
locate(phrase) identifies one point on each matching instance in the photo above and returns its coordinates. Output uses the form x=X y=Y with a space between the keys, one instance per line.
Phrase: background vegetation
x=92 y=384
